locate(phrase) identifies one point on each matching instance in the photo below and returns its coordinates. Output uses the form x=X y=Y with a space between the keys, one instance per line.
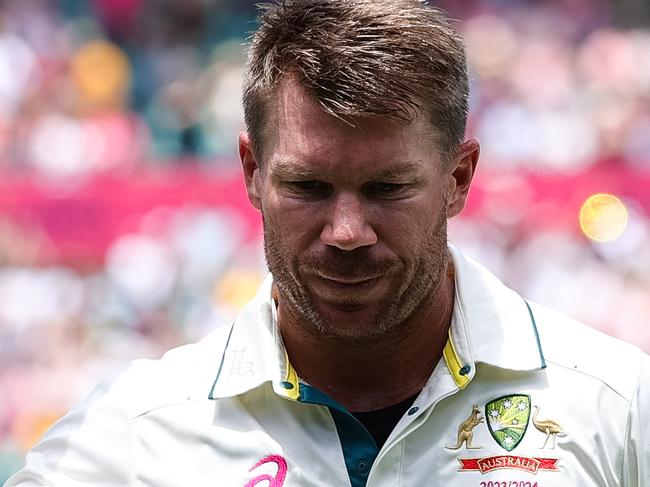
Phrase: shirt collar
x=491 y=324
x=254 y=352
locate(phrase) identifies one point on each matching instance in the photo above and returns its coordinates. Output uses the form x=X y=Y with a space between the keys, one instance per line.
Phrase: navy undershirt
x=380 y=423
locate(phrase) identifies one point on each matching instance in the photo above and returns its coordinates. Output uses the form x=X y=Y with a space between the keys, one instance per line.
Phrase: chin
x=349 y=321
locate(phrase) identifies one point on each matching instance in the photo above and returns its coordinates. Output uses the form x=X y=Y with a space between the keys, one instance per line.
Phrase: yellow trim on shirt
x=449 y=353
x=291 y=378
x=453 y=363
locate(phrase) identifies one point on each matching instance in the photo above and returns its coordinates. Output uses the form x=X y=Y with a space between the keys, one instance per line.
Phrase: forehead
x=298 y=129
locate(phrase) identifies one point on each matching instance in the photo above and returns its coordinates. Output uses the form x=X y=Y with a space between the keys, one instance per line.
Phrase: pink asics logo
x=278 y=480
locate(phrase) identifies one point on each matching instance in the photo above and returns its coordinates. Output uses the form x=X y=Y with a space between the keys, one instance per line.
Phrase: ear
x=460 y=178
x=251 y=170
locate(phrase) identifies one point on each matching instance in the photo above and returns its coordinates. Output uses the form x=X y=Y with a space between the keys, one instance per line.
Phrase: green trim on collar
x=539 y=343
x=359 y=448
x=223 y=358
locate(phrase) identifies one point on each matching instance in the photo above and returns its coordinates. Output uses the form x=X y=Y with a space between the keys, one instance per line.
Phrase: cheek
x=295 y=224
x=408 y=224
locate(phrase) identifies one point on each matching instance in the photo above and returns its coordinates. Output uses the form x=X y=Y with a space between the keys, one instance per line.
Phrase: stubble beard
x=417 y=283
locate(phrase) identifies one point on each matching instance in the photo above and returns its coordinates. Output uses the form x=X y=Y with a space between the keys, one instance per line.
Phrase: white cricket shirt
x=523 y=397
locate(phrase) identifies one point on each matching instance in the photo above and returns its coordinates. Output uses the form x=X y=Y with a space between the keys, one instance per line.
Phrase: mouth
x=348 y=293
x=348 y=281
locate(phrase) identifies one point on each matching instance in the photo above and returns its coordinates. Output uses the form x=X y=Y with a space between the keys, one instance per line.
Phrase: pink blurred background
x=125 y=230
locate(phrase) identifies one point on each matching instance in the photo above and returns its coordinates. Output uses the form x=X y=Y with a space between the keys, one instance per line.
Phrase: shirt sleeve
x=91 y=445
x=636 y=458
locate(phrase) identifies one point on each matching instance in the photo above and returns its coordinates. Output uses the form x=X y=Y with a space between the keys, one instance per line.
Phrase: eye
x=382 y=189
x=388 y=187
x=307 y=187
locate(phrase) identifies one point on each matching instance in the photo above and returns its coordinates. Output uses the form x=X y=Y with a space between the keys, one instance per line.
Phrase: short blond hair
x=361 y=58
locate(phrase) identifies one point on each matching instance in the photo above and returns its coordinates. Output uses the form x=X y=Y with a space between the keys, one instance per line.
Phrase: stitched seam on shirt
x=179 y=402
x=133 y=451
x=627 y=425
x=463 y=327
x=578 y=371
x=343 y=471
x=401 y=464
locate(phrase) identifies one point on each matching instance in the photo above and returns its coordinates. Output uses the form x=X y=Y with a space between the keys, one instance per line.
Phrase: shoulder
x=569 y=344
x=94 y=441
x=182 y=374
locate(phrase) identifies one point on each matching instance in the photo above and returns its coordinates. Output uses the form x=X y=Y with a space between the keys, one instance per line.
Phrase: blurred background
x=124 y=226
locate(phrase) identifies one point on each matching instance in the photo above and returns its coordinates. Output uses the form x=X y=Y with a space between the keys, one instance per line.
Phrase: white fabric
x=206 y=414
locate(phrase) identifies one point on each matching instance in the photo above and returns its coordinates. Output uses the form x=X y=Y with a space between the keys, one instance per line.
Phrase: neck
x=371 y=375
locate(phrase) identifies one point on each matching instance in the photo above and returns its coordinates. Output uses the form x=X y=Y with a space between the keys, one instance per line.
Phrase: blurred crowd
x=556 y=87
x=128 y=87
x=109 y=85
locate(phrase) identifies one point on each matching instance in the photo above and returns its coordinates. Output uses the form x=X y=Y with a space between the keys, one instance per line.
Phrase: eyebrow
x=288 y=168
x=400 y=169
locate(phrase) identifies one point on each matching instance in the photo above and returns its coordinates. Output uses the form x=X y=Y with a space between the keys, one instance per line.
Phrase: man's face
x=354 y=218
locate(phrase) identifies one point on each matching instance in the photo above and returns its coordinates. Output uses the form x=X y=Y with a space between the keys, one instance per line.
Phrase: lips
x=347 y=293
x=348 y=281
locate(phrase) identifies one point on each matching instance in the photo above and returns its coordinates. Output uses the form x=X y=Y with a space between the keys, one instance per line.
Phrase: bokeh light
x=102 y=74
x=603 y=217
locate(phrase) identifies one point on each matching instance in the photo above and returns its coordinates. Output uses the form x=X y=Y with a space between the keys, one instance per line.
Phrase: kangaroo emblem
x=465 y=433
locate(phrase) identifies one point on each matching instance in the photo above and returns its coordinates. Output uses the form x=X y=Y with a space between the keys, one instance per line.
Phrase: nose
x=347 y=227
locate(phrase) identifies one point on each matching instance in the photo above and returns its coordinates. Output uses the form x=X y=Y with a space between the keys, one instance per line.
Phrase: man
x=375 y=354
